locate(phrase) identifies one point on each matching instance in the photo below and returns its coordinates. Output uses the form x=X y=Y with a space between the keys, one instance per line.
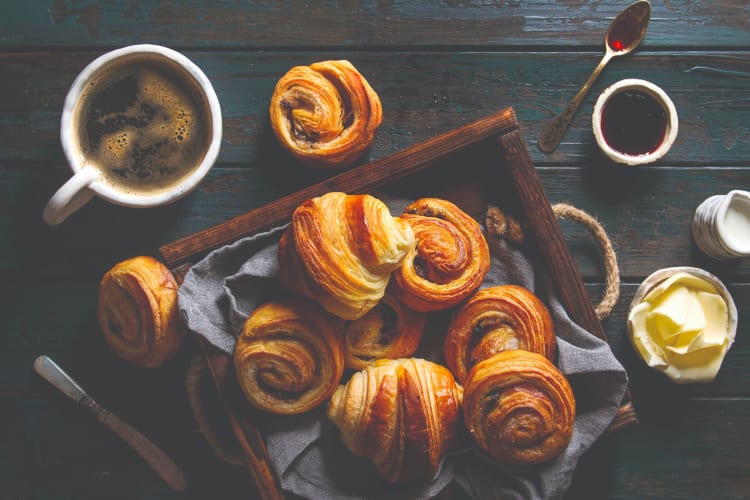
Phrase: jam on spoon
x=623 y=35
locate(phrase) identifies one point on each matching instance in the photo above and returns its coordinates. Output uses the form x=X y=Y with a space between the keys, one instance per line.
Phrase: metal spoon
x=623 y=35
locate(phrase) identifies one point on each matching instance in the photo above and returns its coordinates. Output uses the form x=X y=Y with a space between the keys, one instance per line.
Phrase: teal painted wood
x=53 y=449
x=692 y=449
x=436 y=66
x=423 y=94
x=349 y=24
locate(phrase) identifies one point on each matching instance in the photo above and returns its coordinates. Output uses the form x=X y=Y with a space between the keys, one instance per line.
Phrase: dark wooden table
x=436 y=66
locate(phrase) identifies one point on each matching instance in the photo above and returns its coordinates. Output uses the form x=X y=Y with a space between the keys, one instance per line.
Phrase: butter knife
x=164 y=466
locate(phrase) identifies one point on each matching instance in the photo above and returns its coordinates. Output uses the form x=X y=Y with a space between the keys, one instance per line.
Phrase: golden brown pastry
x=325 y=114
x=401 y=414
x=340 y=250
x=389 y=330
x=137 y=311
x=449 y=261
x=495 y=319
x=519 y=408
x=288 y=357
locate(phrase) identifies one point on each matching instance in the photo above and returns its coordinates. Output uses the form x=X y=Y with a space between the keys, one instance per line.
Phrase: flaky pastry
x=340 y=250
x=389 y=330
x=137 y=311
x=401 y=414
x=450 y=258
x=519 y=408
x=288 y=358
x=325 y=114
x=495 y=319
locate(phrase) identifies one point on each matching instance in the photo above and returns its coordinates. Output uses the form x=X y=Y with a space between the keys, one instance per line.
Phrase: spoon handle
x=555 y=130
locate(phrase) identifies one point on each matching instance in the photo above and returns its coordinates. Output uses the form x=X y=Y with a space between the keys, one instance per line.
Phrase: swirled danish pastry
x=340 y=250
x=288 y=358
x=495 y=319
x=401 y=414
x=449 y=261
x=325 y=114
x=389 y=330
x=137 y=311
x=519 y=408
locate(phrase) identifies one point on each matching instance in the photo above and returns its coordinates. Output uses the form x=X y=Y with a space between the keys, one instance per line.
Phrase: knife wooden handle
x=164 y=466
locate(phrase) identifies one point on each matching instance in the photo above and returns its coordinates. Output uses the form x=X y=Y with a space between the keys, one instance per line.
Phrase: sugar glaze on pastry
x=325 y=114
x=137 y=311
x=340 y=250
x=519 y=408
x=401 y=414
x=288 y=358
x=389 y=330
x=494 y=319
x=450 y=258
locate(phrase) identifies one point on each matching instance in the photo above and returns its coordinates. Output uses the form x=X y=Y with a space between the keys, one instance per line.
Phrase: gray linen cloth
x=220 y=291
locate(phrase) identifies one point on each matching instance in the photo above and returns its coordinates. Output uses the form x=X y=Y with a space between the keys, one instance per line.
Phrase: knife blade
x=159 y=461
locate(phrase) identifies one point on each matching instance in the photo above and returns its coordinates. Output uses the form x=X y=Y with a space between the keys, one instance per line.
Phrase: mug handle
x=71 y=196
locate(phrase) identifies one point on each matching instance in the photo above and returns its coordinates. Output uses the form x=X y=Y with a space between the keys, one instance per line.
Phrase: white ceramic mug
x=88 y=179
x=660 y=97
x=721 y=225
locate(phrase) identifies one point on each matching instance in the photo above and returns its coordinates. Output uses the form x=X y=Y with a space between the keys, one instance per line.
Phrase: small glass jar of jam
x=634 y=122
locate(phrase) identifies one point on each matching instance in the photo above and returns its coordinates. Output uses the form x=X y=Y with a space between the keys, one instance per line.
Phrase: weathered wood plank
x=423 y=94
x=54 y=450
x=290 y=23
x=692 y=449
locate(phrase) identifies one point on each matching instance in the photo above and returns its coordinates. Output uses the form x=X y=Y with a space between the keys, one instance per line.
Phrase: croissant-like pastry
x=389 y=330
x=495 y=319
x=519 y=408
x=288 y=358
x=137 y=311
x=449 y=261
x=325 y=114
x=340 y=250
x=401 y=414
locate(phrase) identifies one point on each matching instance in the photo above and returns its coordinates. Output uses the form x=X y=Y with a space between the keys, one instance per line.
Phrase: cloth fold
x=220 y=291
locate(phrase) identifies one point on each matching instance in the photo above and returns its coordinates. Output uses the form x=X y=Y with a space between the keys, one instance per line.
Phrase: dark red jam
x=634 y=122
x=624 y=34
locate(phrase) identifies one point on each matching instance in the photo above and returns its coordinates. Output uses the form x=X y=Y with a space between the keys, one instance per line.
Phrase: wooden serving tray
x=488 y=154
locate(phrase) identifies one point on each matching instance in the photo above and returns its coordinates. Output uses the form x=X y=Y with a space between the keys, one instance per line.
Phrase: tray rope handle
x=504 y=226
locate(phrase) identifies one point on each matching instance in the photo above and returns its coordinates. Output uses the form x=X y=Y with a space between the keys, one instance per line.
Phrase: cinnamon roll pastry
x=288 y=358
x=401 y=414
x=340 y=250
x=495 y=319
x=389 y=330
x=519 y=408
x=325 y=114
x=137 y=311
x=449 y=261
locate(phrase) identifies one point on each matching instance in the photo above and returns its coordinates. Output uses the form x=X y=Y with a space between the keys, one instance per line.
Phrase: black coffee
x=144 y=124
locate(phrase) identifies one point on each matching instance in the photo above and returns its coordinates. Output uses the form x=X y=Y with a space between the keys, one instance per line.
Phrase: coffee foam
x=149 y=140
